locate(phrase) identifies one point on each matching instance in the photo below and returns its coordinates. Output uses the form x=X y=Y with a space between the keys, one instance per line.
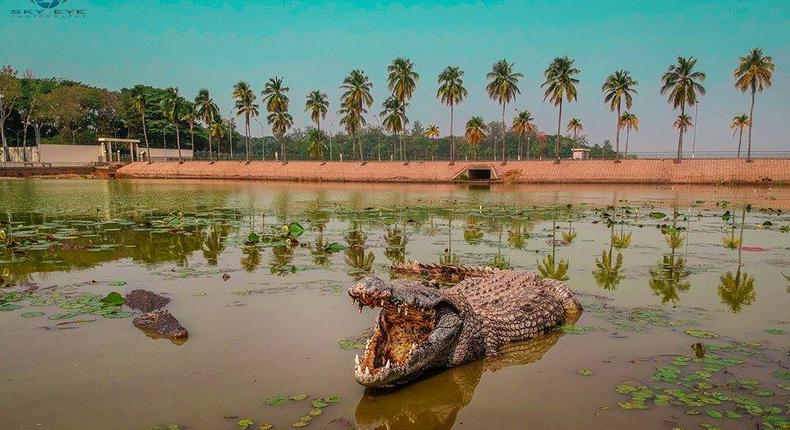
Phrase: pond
x=686 y=293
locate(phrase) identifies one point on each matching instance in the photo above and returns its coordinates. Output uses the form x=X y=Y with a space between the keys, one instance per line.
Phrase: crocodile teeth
x=360 y=307
x=367 y=371
x=388 y=365
x=356 y=360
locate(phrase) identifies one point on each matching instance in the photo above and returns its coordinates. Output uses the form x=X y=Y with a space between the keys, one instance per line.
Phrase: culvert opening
x=479 y=174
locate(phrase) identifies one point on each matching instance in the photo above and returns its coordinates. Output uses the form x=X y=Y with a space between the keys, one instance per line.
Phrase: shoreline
x=651 y=172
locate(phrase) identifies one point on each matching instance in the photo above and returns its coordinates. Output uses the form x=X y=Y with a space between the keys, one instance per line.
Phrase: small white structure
x=580 y=153
x=107 y=150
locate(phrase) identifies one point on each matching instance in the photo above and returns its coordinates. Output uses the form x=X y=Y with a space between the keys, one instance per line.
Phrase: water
x=281 y=324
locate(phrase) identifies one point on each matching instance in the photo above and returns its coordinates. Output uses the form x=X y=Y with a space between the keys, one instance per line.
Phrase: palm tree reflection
x=737 y=290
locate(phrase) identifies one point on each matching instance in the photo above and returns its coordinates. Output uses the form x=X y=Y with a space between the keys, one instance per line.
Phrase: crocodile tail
x=442 y=272
x=563 y=294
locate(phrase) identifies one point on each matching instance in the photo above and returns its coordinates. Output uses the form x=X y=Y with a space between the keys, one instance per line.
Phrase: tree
x=629 y=121
x=208 y=112
x=355 y=99
x=393 y=116
x=737 y=125
x=217 y=130
x=575 y=126
x=754 y=72
x=317 y=142
x=619 y=87
x=503 y=87
x=171 y=108
x=275 y=95
x=401 y=81
x=683 y=123
x=318 y=105
x=476 y=131
x=432 y=132
x=245 y=105
x=280 y=121
x=451 y=92
x=139 y=103
x=682 y=84
x=10 y=92
x=189 y=116
x=522 y=125
x=560 y=83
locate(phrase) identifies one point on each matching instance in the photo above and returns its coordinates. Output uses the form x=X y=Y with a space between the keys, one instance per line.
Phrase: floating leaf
x=585 y=372
x=703 y=334
x=657 y=215
x=266 y=426
x=32 y=314
x=252 y=239
x=246 y=423
x=299 y=396
x=334 y=247
x=8 y=307
x=295 y=229
x=319 y=403
x=782 y=374
x=775 y=331
x=117 y=315
x=114 y=299
x=117 y=283
x=572 y=329
x=316 y=412
x=277 y=400
x=713 y=413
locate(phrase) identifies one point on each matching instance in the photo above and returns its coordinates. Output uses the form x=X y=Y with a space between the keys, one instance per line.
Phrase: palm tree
x=217 y=130
x=629 y=121
x=171 y=108
x=560 y=82
x=245 y=105
x=392 y=114
x=503 y=87
x=575 y=126
x=476 y=131
x=139 y=104
x=683 y=123
x=451 y=92
x=522 y=125
x=208 y=111
x=356 y=98
x=317 y=146
x=754 y=72
x=401 y=81
x=189 y=117
x=318 y=105
x=682 y=84
x=738 y=123
x=432 y=132
x=617 y=87
x=281 y=121
x=275 y=95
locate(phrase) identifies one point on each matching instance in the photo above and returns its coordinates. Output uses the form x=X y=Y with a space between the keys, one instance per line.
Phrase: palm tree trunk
x=680 y=133
x=627 y=136
x=400 y=144
x=359 y=144
x=740 y=139
x=145 y=136
x=247 y=132
x=192 y=136
x=559 y=124
x=210 y=151
x=751 y=126
x=282 y=149
x=178 y=142
x=503 y=132
x=617 y=134
x=452 y=138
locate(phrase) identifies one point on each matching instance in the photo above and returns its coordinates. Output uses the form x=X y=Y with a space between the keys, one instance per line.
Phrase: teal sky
x=314 y=44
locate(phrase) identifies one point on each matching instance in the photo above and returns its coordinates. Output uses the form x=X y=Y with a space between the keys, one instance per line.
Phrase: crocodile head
x=417 y=329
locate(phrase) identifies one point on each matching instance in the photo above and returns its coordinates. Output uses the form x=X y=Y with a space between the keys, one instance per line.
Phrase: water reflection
x=668 y=277
x=737 y=290
x=550 y=267
x=359 y=262
x=608 y=270
x=434 y=403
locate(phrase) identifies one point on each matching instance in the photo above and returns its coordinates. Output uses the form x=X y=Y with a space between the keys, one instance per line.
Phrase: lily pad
x=114 y=299
x=782 y=374
x=117 y=283
x=775 y=331
x=585 y=372
x=657 y=215
x=702 y=334
x=295 y=229
x=246 y=423
x=32 y=314
x=8 y=307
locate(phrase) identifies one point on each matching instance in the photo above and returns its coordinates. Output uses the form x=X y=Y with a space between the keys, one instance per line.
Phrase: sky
x=313 y=44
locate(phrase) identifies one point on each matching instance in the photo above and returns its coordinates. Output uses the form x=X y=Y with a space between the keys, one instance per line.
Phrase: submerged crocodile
x=422 y=327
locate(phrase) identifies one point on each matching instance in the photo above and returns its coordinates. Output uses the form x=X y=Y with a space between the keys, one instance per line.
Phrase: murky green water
x=657 y=270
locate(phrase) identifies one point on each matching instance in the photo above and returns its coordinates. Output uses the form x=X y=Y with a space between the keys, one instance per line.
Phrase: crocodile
x=422 y=327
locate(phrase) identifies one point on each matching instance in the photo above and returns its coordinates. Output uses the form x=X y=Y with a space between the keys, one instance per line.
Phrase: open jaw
x=412 y=333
